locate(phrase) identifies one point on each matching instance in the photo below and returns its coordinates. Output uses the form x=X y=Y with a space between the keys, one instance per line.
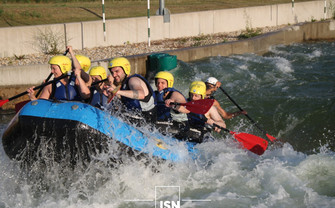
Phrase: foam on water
x=223 y=175
x=290 y=92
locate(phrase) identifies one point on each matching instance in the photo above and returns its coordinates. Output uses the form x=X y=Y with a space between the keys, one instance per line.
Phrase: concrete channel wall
x=24 y=39
x=34 y=74
x=17 y=79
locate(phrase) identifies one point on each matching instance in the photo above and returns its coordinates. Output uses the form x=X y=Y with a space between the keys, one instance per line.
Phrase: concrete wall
x=22 y=40
x=35 y=74
x=14 y=80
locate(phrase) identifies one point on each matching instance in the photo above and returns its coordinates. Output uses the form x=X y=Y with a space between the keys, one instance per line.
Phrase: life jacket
x=68 y=92
x=143 y=105
x=97 y=99
x=165 y=113
x=196 y=121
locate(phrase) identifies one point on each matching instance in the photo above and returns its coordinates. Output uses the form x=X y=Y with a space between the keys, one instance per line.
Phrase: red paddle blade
x=199 y=106
x=2 y=102
x=270 y=137
x=251 y=142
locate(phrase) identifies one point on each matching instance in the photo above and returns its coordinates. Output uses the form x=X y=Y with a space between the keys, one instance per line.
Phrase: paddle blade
x=251 y=142
x=271 y=137
x=199 y=106
x=2 y=102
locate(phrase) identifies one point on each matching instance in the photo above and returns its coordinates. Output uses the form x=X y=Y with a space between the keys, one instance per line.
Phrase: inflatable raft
x=78 y=131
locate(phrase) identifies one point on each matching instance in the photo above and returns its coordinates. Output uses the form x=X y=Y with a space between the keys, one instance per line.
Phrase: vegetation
x=36 y=12
x=249 y=33
x=49 y=42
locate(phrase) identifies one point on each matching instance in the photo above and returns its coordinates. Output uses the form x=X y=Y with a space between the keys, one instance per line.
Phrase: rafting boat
x=79 y=131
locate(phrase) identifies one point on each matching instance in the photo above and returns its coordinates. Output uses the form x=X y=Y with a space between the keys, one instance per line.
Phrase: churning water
x=290 y=91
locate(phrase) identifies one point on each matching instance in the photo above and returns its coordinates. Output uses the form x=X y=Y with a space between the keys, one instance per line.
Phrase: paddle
x=19 y=105
x=250 y=142
x=253 y=122
x=50 y=75
x=197 y=106
x=2 y=102
x=114 y=93
x=98 y=82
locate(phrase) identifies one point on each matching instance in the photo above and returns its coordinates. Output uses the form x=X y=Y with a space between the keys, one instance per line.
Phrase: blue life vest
x=196 y=121
x=69 y=92
x=98 y=99
x=163 y=112
x=146 y=104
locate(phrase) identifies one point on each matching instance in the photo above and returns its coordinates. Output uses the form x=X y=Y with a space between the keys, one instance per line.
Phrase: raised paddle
x=253 y=122
x=197 y=106
x=250 y=142
x=2 y=102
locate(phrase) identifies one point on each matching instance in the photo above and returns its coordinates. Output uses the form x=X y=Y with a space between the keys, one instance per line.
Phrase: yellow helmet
x=198 y=83
x=84 y=62
x=167 y=76
x=122 y=62
x=198 y=87
x=63 y=62
x=100 y=71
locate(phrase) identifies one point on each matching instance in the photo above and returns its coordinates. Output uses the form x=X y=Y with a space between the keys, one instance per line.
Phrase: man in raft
x=135 y=92
x=170 y=118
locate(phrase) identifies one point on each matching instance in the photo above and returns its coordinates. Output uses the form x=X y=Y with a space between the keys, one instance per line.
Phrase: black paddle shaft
x=38 y=87
x=50 y=75
x=38 y=93
x=220 y=127
x=231 y=99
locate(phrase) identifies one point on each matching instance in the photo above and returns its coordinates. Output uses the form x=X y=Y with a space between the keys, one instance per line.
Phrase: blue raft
x=77 y=130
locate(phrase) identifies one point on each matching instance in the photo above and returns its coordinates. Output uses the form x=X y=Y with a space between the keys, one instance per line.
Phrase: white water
x=224 y=176
x=298 y=173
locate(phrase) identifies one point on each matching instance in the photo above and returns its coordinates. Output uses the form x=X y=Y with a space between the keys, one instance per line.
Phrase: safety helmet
x=167 y=76
x=63 y=62
x=198 y=87
x=198 y=83
x=84 y=61
x=212 y=80
x=100 y=71
x=121 y=62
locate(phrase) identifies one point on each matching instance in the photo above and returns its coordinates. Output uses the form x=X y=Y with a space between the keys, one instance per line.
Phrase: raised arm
x=227 y=115
x=76 y=66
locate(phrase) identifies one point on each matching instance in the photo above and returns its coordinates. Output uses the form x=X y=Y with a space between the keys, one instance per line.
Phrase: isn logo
x=172 y=191
x=169 y=204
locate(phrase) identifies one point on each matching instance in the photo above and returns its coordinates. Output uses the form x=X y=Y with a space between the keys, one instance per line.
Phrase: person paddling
x=135 y=92
x=197 y=122
x=66 y=88
x=212 y=84
x=170 y=118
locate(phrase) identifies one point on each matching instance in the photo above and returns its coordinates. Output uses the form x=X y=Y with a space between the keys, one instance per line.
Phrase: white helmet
x=212 y=80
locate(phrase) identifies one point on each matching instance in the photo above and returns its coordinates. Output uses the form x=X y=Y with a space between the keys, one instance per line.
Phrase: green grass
x=36 y=12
